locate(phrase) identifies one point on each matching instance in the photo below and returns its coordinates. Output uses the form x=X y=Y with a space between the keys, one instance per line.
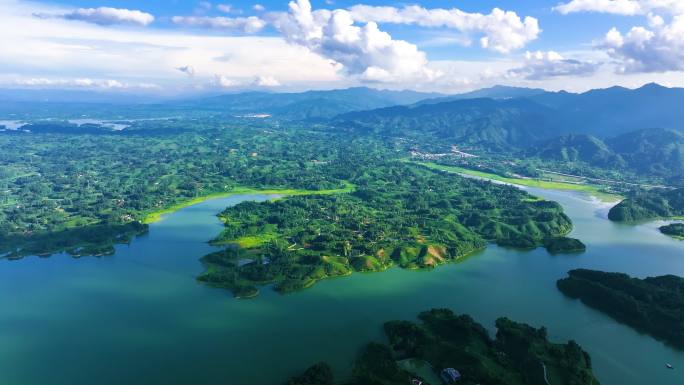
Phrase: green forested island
x=675 y=230
x=565 y=245
x=654 y=305
x=519 y=355
x=399 y=214
x=66 y=190
x=649 y=204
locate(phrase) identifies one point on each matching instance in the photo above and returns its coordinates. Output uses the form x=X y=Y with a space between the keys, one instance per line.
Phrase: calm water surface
x=139 y=316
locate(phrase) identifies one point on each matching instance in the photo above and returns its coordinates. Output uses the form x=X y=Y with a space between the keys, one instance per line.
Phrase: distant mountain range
x=484 y=122
x=519 y=117
x=602 y=113
x=307 y=105
x=613 y=111
x=289 y=106
x=640 y=129
x=656 y=151
x=496 y=92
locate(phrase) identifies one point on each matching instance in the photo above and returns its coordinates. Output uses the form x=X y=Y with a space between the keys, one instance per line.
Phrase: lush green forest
x=399 y=214
x=653 y=154
x=57 y=181
x=526 y=130
x=520 y=354
x=83 y=186
x=675 y=230
x=654 y=305
x=649 y=204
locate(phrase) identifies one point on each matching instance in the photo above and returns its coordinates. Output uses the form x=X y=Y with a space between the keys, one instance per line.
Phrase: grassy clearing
x=251 y=242
x=592 y=190
x=155 y=216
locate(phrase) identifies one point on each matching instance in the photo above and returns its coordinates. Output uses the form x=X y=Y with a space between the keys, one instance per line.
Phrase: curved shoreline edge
x=590 y=190
x=156 y=216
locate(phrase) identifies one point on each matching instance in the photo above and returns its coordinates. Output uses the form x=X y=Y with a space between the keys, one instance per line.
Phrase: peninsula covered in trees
x=675 y=230
x=442 y=340
x=65 y=190
x=649 y=204
x=399 y=214
x=654 y=305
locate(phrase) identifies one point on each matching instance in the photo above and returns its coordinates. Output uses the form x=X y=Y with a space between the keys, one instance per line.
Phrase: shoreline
x=156 y=216
x=591 y=190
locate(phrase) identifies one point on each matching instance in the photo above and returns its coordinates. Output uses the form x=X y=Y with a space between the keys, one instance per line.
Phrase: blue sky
x=183 y=46
x=560 y=31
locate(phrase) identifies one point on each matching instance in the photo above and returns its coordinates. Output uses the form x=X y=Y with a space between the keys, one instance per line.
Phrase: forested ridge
x=399 y=214
x=675 y=230
x=84 y=190
x=74 y=188
x=519 y=355
x=649 y=204
x=654 y=305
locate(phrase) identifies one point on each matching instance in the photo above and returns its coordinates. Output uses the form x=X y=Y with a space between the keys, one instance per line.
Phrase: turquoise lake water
x=140 y=317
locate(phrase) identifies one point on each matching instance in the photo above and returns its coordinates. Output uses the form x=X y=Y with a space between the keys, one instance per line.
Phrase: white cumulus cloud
x=266 y=81
x=88 y=83
x=251 y=24
x=105 y=16
x=222 y=81
x=500 y=31
x=622 y=7
x=225 y=8
x=658 y=48
x=364 y=50
x=541 y=65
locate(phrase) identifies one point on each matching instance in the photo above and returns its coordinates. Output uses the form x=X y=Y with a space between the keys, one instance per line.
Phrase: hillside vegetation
x=675 y=230
x=399 y=215
x=496 y=124
x=654 y=305
x=519 y=355
x=654 y=152
x=649 y=204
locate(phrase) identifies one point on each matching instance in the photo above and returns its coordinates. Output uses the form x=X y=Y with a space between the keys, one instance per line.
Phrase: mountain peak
x=652 y=86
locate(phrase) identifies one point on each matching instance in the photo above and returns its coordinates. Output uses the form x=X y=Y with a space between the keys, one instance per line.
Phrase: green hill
x=616 y=110
x=655 y=151
x=654 y=305
x=518 y=355
x=652 y=204
x=578 y=148
x=483 y=122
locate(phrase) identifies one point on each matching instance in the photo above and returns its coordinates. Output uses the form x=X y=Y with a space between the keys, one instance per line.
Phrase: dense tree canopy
x=399 y=214
x=519 y=355
x=654 y=305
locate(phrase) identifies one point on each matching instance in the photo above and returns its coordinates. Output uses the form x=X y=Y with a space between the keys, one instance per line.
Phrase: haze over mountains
x=508 y=119
x=655 y=151
x=497 y=115
x=617 y=128
x=309 y=104
x=639 y=129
